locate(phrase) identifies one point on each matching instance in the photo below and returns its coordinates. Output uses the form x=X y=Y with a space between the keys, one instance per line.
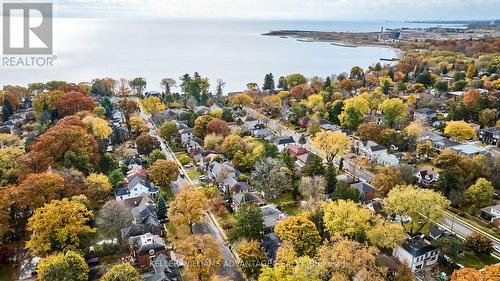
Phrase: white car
x=496 y=248
x=188 y=165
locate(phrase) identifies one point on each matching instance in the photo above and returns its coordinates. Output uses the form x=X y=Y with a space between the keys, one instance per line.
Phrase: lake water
x=232 y=50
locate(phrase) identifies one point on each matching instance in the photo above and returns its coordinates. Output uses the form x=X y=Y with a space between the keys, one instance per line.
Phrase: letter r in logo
x=29 y=31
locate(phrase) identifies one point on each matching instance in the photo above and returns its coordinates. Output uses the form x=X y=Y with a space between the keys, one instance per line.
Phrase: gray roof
x=364 y=187
x=425 y=110
x=493 y=130
x=271 y=215
x=284 y=140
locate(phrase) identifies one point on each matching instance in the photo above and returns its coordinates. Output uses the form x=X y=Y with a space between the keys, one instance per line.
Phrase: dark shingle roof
x=416 y=246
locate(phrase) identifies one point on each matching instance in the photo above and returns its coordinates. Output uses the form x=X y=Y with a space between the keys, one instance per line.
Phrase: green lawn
x=167 y=194
x=469 y=259
x=193 y=173
x=287 y=204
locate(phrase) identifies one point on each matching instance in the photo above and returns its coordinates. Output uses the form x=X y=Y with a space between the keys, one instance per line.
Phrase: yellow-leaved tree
x=459 y=130
x=63 y=266
x=347 y=218
x=201 y=254
x=332 y=143
x=188 y=207
x=301 y=233
x=58 y=226
x=99 y=183
x=153 y=104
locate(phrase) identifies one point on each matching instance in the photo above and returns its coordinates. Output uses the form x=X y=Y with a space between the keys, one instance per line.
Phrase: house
x=186 y=134
x=137 y=185
x=247 y=198
x=417 y=253
x=391 y=263
x=425 y=115
x=215 y=107
x=272 y=216
x=328 y=126
x=490 y=136
x=296 y=150
x=133 y=163
x=252 y=124
x=144 y=248
x=377 y=153
x=201 y=110
x=435 y=232
x=137 y=170
x=345 y=178
x=388 y=160
x=220 y=171
x=305 y=159
x=469 y=150
x=152 y=94
x=427 y=177
x=117 y=116
x=443 y=143
x=282 y=142
x=271 y=244
x=193 y=146
x=366 y=191
x=165 y=116
x=492 y=215
x=376 y=206
x=264 y=133
x=164 y=269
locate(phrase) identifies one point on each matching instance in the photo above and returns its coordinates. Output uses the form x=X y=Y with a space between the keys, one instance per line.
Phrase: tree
x=74 y=102
x=100 y=128
x=272 y=101
x=471 y=71
x=301 y=233
x=99 y=183
x=386 y=235
x=421 y=205
x=153 y=105
x=217 y=126
x=188 y=207
x=491 y=272
x=478 y=243
x=394 y=110
x=467 y=274
x=138 y=85
x=271 y=177
x=471 y=100
x=168 y=84
x=344 y=259
x=163 y=172
x=369 y=131
x=330 y=178
x=10 y=166
x=314 y=103
x=167 y=130
x=249 y=223
x=161 y=208
x=487 y=117
x=116 y=177
x=479 y=195
x=459 y=130
x=156 y=154
x=114 y=216
x=355 y=110
x=268 y=82
x=241 y=99
x=387 y=178
x=441 y=86
x=201 y=124
x=7 y=110
x=425 y=149
x=252 y=258
x=332 y=143
x=122 y=272
x=201 y=255
x=69 y=266
x=128 y=107
x=282 y=84
x=313 y=189
x=58 y=225
x=314 y=167
x=295 y=79
x=38 y=189
x=146 y=143
x=346 y=218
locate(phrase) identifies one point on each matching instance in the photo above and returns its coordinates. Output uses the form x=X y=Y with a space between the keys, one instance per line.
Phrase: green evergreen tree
x=249 y=223
x=268 y=82
x=7 y=110
x=161 y=208
x=282 y=84
x=330 y=178
x=314 y=168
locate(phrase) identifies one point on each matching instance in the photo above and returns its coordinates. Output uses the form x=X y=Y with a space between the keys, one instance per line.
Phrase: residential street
x=230 y=268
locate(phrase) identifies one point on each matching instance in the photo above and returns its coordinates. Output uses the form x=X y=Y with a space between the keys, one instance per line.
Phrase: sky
x=284 y=9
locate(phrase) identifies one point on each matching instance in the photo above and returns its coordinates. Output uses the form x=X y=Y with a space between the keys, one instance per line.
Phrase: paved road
x=230 y=268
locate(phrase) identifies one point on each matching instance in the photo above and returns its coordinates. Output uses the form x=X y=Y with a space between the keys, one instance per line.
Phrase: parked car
x=188 y=165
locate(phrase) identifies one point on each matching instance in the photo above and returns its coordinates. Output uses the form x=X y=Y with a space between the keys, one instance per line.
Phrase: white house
x=282 y=142
x=377 y=153
x=186 y=134
x=417 y=253
x=137 y=185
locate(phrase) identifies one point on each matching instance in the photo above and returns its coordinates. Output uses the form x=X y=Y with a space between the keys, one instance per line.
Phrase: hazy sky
x=286 y=9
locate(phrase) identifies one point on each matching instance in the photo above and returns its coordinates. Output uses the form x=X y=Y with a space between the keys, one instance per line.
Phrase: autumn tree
x=47 y=100
x=369 y=131
x=346 y=218
x=128 y=107
x=332 y=143
x=249 y=223
x=58 y=225
x=217 y=126
x=344 y=259
x=10 y=166
x=423 y=206
x=387 y=178
x=100 y=128
x=492 y=272
x=295 y=79
x=313 y=189
x=167 y=130
x=138 y=125
x=38 y=189
x=386 y=235
x=355 y=110
x=188 y=207
x=163 y=172
x=138 y=85
x=122 y=272
x=471 y=100
x=252 y=258
x=241 y=99
x=302 y=269
x=153 y=105
x=301 y=233
x=201 y=254
x=146 y=143
x=99 y=183
x=74 y=102
x=113 y=217
x=467 y=274
x=478 y=243
x=487 y=117
x=479 y=195
x=271 y=177
x=425 y=149
x=394 y=110
x=200 y=125
x=63 y=266
x=459 y=130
